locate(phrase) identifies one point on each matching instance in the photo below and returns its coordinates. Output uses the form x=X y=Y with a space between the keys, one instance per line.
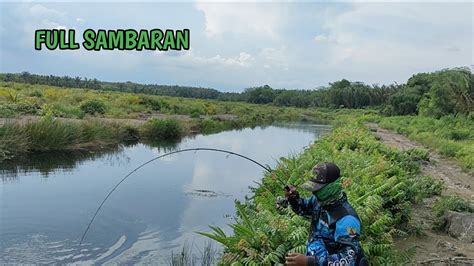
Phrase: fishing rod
x=267 y=168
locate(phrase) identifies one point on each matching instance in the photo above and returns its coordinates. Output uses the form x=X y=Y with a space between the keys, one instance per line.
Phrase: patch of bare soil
x=434 y=247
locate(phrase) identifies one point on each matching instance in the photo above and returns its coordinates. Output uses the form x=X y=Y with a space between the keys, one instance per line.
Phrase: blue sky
x=240 y=45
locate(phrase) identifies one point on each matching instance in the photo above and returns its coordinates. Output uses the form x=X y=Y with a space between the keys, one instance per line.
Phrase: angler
x=335 y=226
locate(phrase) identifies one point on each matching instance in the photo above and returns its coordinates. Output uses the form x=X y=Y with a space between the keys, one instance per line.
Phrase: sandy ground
x=434 y=247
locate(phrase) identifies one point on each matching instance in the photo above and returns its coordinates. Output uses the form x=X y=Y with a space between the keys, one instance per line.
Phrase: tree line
x=448 y=91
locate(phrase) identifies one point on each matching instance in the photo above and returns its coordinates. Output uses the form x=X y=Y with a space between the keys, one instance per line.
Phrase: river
x=48 y=199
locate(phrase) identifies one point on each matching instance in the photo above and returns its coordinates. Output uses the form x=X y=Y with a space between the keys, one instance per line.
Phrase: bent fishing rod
x=267 y=168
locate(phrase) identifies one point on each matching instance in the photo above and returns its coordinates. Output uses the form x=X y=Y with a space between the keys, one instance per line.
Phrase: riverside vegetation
x=76 y=119
x=435 y=109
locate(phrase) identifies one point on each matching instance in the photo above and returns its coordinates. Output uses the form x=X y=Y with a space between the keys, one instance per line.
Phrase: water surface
x=47 y=200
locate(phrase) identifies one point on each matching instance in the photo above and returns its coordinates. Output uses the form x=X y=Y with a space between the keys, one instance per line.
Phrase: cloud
x=373 y=41
x=275 y=58
x=242 y=60
x=239 y=45
x=241 y=18
x=23 y=19
x=38 y=10
x=321 y=38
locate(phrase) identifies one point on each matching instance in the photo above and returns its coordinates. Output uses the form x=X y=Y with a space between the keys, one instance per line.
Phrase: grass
x=50 y=134
x=19 y=99
x=451 y=136
x=208 y=256
x=186 y=116
x=166 y=129
x=380 y=182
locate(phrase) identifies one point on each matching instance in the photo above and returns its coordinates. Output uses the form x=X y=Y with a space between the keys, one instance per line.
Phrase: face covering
x=329 y=192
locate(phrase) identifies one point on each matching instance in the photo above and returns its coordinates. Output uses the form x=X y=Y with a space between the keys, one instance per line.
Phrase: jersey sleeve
x=304 y=207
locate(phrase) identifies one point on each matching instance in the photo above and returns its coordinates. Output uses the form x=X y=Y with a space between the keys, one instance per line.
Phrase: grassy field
x=71 y=119
x=25 y=99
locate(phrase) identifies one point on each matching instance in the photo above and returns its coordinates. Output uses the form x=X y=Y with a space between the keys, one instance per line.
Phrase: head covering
x=323 y=174
x=325 y=184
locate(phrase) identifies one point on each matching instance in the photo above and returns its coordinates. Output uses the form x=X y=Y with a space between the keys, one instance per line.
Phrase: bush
x=150 y=102
x=162 y=129
x=68 y=111
x=209 y=126
x=93 y=106
x=380 y=182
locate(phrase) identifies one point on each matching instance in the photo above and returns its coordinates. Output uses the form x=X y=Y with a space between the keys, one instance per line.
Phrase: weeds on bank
x=451 y=136
x=380 y=182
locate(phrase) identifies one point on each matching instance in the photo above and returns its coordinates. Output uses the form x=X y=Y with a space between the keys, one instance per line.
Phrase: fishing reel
x=282 y=202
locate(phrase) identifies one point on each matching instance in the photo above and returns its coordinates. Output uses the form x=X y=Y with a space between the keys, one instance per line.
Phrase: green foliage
x=209 y=126
x=436 y=94
x=166 y=129
x=451 y=136
x=13 y=141
x=451 y=203
x=381 y=183
x=51 y=134
x=93 y=106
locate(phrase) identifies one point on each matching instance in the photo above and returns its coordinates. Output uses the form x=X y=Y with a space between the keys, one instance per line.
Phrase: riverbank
x=381 y=182
x=37 y=118
x=32 y=134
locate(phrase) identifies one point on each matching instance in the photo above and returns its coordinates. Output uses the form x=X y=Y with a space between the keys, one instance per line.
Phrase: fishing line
x=267 y=168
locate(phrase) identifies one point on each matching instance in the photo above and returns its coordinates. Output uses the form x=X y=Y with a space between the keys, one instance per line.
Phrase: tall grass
x=56 y=135
x=13 y=141
x=451 y=136
x=207 y=257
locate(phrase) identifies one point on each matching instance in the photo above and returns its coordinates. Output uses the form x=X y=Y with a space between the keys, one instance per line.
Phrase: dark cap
x=324 y=173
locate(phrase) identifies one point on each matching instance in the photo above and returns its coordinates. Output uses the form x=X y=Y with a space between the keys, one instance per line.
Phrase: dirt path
x=435 y=247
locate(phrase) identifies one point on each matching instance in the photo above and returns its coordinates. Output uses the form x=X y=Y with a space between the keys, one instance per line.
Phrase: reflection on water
x=152 y=214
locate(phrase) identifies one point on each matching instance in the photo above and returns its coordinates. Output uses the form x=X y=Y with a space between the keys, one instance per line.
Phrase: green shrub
x=458 y=134
x=93 y=106
x=68 y=111
x=209 y=126
x=151 y=102
x=36 y=93
x=129 y=133
x=162 y=129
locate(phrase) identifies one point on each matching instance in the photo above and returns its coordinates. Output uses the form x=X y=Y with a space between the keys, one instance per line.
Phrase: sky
x=233 y=46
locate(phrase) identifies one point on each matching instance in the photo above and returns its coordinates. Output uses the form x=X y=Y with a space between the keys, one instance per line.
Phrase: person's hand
x=296 y=259
x=290 y=192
